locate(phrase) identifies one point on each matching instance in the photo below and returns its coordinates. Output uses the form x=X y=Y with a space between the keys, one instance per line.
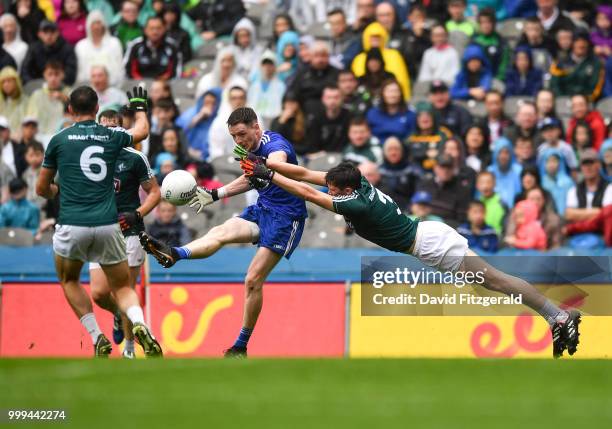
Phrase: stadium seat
x=498 y=85
x=184 y=103
x=327 y=231
x=476 y=108
x=319 y=30
x=192 y=220
x=129 y=84
x=605 y=106
x=511 y=30
x=17 y=237
x=325 y=161
x=459 y=40
x=226 y=164
x=183 y=87
x=46 y=238
x=202 y=67
x=32 y=86
x=563 y=106
x=511 y=104
x=421 y=88
x=209 y=50
x=255 y=11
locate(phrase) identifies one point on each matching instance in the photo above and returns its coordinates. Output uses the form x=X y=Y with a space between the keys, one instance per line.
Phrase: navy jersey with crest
x=272 y=196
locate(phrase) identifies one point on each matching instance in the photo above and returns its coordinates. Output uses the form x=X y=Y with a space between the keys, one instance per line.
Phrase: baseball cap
x=29 y=120
x=47 y=25
x=588 y=155
x=4 y=122
x=549 y=122
x=268 y=56
x=445 y=160
x=421 y=197
x=438 y=86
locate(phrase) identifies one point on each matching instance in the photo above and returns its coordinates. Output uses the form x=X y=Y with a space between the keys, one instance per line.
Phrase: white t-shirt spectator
x=572 y=198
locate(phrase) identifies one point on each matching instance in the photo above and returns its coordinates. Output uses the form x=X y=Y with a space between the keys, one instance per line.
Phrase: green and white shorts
x=135 y=253
x=102 y=244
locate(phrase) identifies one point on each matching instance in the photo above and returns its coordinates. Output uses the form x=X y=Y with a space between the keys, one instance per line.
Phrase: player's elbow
x=41 y=188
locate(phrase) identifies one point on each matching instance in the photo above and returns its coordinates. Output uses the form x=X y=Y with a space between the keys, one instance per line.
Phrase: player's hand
x=138 y=99
x=203 y=198
x=240 y=153
x=129 y=219
x=257 y=169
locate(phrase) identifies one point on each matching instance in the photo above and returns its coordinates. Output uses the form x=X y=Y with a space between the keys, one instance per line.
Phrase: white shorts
x=440 y=246
x=135 y=253
x=103 y=244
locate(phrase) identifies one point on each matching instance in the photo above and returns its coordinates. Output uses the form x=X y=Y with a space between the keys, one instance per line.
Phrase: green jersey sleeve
x=50 y=159
x=349 y=205
x=122 y=135
x=142 y=167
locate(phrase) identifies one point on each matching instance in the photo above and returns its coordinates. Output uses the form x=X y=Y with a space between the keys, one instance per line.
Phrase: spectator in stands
x=327 y=127
x=6 y=175
x=452 y=115
x=29 y=16
x=450 y=195
x=457 y=21
x=480 y=236
x=524 y=151
x=13 y=100
x=495 y=209
x=523 y=78
x=128 y=28
x=103 y=6
x=602 y=224
x=197 y=120
x=49 y=47
x=586 y=199
x=549 y=219
x=6 y=60
x=365 y=15
x=162 y=117
x=392 y=117
x=165 y=163
x=168 y=227
x=29 y=130
x=306 y=14
x=71 y=20
x=217 y=17
x=525 y=123
x=171 y=14
x=47 y=104
x=582 y=138
x=287 y=54
x=427 y=139
x=282 y=23
x=109 y=97
x=554 y=177
x=441 y=61
x=153 y=56
x=454 y=148
x=552 y=18
x=398 y=177
x=205 y=176
x=172 y=144
x=291 y=123
x=606 y=156
x=530 y=179
x=375 y=74
x=34 y=155
x=581 y=73
x=342 y=38
x=244 y=39
x=475 y=77
x=545 y=104
x=550 y=130
x=99 y=48
x=564 y=41
x=11 y=36
x=495 y=120
x=478 y=152
x=420 y=207
x=601 y=36
x=581 y=112
x=265 y=93
x=220 y=140
x=315 y=76
x=419 y=39
x=375 y=36
x=475 y=8
x=493 y=45
x=12 y=154
x=18 y=212
x=224 y=76
x=529 y=233
x=520 y=8
x=543 y=47
x=357 y=98
x=362 y=146
x=506 y=170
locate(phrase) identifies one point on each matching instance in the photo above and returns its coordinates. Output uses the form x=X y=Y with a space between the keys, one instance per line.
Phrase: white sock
x=134 y=313
x=90 y=323
x=129 y=345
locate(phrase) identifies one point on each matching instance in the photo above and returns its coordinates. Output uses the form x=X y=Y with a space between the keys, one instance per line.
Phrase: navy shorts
x=277 y=232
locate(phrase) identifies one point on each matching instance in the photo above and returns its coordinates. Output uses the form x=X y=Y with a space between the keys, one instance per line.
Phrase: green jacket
x=497 y=51
x=495 y=212
x=570 y=77
x=466 y=26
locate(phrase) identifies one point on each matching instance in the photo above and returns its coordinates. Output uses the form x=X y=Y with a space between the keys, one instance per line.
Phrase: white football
x=178 y=187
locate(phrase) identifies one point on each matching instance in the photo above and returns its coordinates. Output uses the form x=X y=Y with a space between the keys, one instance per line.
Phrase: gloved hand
x=129 y=219
x=240 y=153
x=203 y=198
x=138 y=101
x=256 y=169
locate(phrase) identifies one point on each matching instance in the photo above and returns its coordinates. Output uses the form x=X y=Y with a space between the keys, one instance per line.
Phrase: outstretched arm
x=303 y=191
x=297 y=172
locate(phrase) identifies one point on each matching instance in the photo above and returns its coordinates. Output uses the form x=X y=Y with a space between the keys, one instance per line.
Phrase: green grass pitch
x=341 y=393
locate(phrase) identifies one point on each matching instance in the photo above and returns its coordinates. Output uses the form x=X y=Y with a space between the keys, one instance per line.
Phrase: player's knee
x=253 y=282
x=98 y=296
x=219 y=233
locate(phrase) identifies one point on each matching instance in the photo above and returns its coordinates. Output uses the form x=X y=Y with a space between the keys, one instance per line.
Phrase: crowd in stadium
x=490 y=115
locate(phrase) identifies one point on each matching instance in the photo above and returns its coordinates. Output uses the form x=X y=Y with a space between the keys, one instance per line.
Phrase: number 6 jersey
x=374 y=216
x=85 y=155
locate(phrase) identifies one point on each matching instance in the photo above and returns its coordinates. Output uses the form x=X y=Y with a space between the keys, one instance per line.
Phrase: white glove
x=203 y=198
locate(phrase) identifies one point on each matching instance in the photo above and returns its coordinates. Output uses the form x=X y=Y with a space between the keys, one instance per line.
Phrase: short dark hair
x=36 y=147
x=533 y=20
x=242 y=115
x=237 y=88
x=476 y=203
x=495 y=92
x=112 y=115
x=54 y=65
x=165 y=103
x=17 y=185
x=336 y=11
x=331 y=87
x=154 y=18
x=346 y=71
x=489 y=13
x=358 y=120
x=344 y=175
x=84 y=100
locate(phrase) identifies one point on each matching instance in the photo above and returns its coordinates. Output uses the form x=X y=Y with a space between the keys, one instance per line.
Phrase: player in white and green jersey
x=377 y=218
x=84 y=156
x=132 y=172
